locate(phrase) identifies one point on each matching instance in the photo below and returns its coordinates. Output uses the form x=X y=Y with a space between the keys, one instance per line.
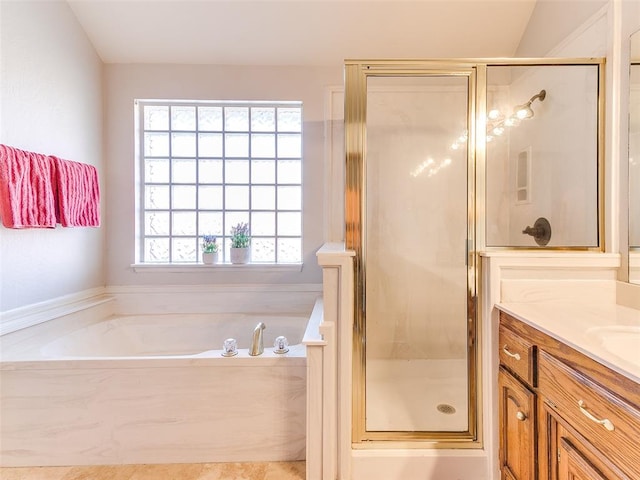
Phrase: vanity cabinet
x=517 y=407
x=584 y=418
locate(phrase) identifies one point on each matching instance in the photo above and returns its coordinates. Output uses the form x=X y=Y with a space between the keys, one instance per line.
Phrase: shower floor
x=405 y=395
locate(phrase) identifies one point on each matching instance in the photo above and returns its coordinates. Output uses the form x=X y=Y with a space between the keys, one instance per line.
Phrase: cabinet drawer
x=517 y=354
x=610 y=424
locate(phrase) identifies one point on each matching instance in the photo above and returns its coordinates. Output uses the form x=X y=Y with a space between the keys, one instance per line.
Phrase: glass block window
x=206 y=166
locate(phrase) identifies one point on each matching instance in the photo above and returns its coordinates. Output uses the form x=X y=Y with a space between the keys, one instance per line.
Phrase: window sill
x=200 y=267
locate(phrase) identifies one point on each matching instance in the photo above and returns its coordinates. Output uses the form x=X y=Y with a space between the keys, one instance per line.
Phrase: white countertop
x=608 y=333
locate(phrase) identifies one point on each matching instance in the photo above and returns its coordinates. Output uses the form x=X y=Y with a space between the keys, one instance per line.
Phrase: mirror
x=634 y=161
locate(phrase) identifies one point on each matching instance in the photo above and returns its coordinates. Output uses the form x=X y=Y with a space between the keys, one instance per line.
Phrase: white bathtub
x=200 y=335
x=153 y=389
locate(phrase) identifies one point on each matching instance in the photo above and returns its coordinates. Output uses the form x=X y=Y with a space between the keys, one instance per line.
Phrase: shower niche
x=433 y=150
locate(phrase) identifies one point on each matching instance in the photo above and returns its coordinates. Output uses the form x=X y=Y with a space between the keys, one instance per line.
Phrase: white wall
x=125 y=83
x=552 y=22
x=51 y=102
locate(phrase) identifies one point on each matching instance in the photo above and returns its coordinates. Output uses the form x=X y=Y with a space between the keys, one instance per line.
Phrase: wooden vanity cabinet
x=587 y=417
x=517 y=407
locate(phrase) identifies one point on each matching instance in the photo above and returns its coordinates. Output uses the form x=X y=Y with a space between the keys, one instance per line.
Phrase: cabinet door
x=573 y=466
x=517 y=429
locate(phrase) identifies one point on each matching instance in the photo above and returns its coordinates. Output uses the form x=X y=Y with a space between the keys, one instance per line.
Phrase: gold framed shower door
x=357 y=74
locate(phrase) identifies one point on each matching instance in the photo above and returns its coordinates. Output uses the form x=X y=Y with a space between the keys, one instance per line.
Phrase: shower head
x=525 y=111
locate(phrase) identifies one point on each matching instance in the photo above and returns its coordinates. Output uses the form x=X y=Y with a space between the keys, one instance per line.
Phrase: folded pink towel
x=78 y=193
x=26 y=189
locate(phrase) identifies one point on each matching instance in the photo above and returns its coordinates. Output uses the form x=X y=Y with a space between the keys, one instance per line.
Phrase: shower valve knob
x=541 y=231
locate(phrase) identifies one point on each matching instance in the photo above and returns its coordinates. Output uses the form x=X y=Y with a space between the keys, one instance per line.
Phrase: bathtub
x=153 y=389
x=192 y=335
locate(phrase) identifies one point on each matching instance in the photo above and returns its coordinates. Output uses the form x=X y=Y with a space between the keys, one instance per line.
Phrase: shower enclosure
x=445 y=159
x=410 y=192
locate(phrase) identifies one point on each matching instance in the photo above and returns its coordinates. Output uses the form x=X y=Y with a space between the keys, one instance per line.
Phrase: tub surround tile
x=152 y=415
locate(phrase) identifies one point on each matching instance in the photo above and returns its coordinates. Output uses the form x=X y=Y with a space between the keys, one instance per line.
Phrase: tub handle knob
x=230 y=348
x=281 y=345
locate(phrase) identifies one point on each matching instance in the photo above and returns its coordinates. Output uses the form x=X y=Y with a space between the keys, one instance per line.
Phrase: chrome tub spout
x=257 y=344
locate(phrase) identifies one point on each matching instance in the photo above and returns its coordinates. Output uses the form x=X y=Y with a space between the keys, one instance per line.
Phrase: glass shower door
x=415 y=253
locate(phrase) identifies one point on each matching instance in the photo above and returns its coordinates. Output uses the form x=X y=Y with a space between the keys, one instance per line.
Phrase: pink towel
x=26 y=189
x=78 y=193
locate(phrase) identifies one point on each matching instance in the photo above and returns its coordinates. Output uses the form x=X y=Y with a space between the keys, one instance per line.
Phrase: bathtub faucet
x=257 y=344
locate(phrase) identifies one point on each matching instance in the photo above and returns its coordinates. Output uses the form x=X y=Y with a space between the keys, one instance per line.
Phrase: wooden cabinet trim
x=564 y=387
x=599 y=373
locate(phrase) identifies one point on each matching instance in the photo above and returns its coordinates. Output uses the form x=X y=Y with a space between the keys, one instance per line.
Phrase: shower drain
x=446 y=409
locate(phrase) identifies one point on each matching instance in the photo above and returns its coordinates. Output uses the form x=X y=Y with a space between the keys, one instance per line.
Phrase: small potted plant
x=209 y=250
x=240 y=240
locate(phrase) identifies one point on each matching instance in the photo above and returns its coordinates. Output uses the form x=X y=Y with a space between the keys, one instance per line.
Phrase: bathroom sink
x=621 y=341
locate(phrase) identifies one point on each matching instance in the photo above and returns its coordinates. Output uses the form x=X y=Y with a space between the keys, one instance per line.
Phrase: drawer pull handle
x=521 y=416
x=606 y=423
x=512 y=355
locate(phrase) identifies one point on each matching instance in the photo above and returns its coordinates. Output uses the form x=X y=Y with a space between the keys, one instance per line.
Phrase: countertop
x=607 y=333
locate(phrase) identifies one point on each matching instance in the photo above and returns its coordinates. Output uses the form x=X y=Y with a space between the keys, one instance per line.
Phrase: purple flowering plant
x=209 y=244
x=240 y=236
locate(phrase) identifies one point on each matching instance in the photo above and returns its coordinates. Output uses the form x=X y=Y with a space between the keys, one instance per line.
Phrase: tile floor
x=194 y=471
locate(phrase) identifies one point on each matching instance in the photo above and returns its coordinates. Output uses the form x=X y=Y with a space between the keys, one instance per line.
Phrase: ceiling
x=300 y=32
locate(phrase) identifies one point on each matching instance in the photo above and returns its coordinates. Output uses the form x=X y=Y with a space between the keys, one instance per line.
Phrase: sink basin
x=621 y=341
